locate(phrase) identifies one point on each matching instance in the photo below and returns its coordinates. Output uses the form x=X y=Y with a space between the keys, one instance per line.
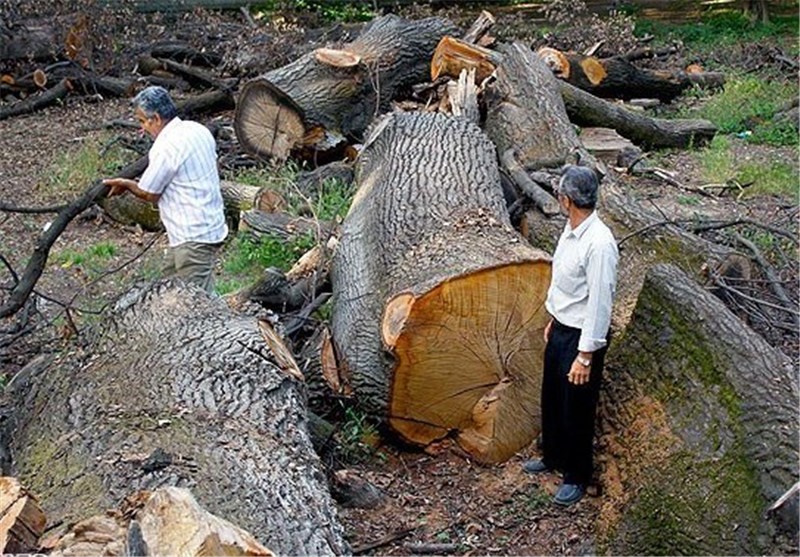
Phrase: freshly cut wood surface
x=22 y=520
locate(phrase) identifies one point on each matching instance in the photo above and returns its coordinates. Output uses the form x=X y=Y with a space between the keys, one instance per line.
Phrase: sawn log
x=438 y=302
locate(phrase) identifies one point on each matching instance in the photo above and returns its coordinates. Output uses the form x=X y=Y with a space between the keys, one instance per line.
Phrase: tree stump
x=700 y=428
x=438 y=302
x=327 y=95
x=176 y=390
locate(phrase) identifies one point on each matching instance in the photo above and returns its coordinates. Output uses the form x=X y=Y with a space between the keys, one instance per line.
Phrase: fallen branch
x=31 y=210
x=543 y=200
x=384 y=541
x=725 y=224
x=36 y=263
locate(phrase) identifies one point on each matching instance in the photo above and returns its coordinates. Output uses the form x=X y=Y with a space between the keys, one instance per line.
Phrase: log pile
x=437 y=303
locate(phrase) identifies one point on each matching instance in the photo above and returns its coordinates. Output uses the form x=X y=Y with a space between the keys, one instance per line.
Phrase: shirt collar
x=582 y=227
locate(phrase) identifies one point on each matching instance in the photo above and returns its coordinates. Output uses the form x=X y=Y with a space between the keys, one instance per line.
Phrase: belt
x=559 y=325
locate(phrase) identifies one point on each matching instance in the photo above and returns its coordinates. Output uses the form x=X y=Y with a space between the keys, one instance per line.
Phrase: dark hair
x=155 y=100
x=580 y=185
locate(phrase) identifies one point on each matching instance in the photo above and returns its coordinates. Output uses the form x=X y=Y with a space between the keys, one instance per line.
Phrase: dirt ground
x=438 y=497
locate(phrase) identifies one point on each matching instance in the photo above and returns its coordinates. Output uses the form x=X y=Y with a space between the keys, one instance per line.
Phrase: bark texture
x=328 y=94
x=438 y=303
x=525 y=112
x=701 y=428
x=177 y=390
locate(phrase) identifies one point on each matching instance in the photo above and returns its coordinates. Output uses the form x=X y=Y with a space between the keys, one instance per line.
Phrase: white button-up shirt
x=584 y=279
x=183 y=169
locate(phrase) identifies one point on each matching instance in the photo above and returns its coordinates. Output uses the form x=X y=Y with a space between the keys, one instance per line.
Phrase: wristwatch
x=585 y=362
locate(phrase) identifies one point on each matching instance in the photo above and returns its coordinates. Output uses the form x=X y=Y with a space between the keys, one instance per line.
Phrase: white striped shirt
x=183 y=169
x=584 y=279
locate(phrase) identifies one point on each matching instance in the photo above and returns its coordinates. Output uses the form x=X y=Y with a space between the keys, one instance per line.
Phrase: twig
x=716 y=225
x=384 y=541
x=785 y=497
x=774 y=281
x=8 y=266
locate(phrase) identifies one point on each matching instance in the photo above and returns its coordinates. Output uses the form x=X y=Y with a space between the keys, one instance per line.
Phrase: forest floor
x=434 y=497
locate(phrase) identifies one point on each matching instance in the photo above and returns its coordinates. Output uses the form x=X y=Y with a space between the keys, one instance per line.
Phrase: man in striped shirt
x=182 y=178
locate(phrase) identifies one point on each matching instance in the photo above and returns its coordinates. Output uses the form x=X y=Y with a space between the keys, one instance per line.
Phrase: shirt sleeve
x=160 y=171
x=601 y=277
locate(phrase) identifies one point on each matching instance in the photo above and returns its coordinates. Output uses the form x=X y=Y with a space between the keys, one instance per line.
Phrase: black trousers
x=568 y=410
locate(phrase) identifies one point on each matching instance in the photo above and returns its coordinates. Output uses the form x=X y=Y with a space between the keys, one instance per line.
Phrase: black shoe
x=534 y=467
x=569 y=494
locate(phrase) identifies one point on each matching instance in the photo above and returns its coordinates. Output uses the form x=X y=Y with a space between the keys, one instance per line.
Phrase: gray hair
x=155 y=100
x=580 y=185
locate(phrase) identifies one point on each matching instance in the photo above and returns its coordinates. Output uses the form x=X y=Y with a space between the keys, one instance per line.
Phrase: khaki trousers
x=194 y=263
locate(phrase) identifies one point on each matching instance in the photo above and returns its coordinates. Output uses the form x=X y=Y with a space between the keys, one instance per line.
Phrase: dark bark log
x=310 y=183
x=701 y=431
x=437 y=301
x=35 y=266
x=42 y=100
x=617 y=78
x=585 y=109
x=326 y=95
x=209 y=102
x=178 y=391
x=484 y=22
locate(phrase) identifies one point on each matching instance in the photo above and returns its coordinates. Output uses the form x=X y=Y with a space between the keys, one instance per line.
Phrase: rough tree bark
x=700 y=423
x=327 y=94
x=525 y=112
x=176 y=390
x=438 y=303
x=617 y=78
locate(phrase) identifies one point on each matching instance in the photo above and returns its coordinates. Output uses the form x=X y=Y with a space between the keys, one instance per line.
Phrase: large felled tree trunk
x=177 y=390
x=328 y=94
x=438 y=305
x=701 y=430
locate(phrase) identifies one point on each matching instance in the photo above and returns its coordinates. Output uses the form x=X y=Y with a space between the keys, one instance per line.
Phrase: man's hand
x=547 y=329
x=118 y=185
x=579 y=373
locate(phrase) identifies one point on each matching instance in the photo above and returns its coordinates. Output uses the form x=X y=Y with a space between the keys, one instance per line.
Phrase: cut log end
x=267 y=122
x=468 y=360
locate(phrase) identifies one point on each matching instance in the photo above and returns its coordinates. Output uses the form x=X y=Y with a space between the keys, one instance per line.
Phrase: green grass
x=245 y=258
x=719 y=164
x=91 y=260
x=721 y=28
x=77 y=167
x=327 y=10
x=357 y=437
x=747 y=105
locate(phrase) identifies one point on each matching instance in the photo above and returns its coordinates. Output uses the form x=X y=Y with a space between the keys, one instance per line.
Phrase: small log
x=185 y=53
x=585 y=109
x=605 y=144
x=239 y=197
x=37 y=102
x=482 y=24
x=617 y=78
x=325 y=96
x=352 y=491
x=310 y=183
x=281 y=225
x=22 y=521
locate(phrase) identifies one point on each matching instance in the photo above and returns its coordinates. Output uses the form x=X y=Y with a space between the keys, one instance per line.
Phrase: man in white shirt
x=579 y=302
x=182 y=178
